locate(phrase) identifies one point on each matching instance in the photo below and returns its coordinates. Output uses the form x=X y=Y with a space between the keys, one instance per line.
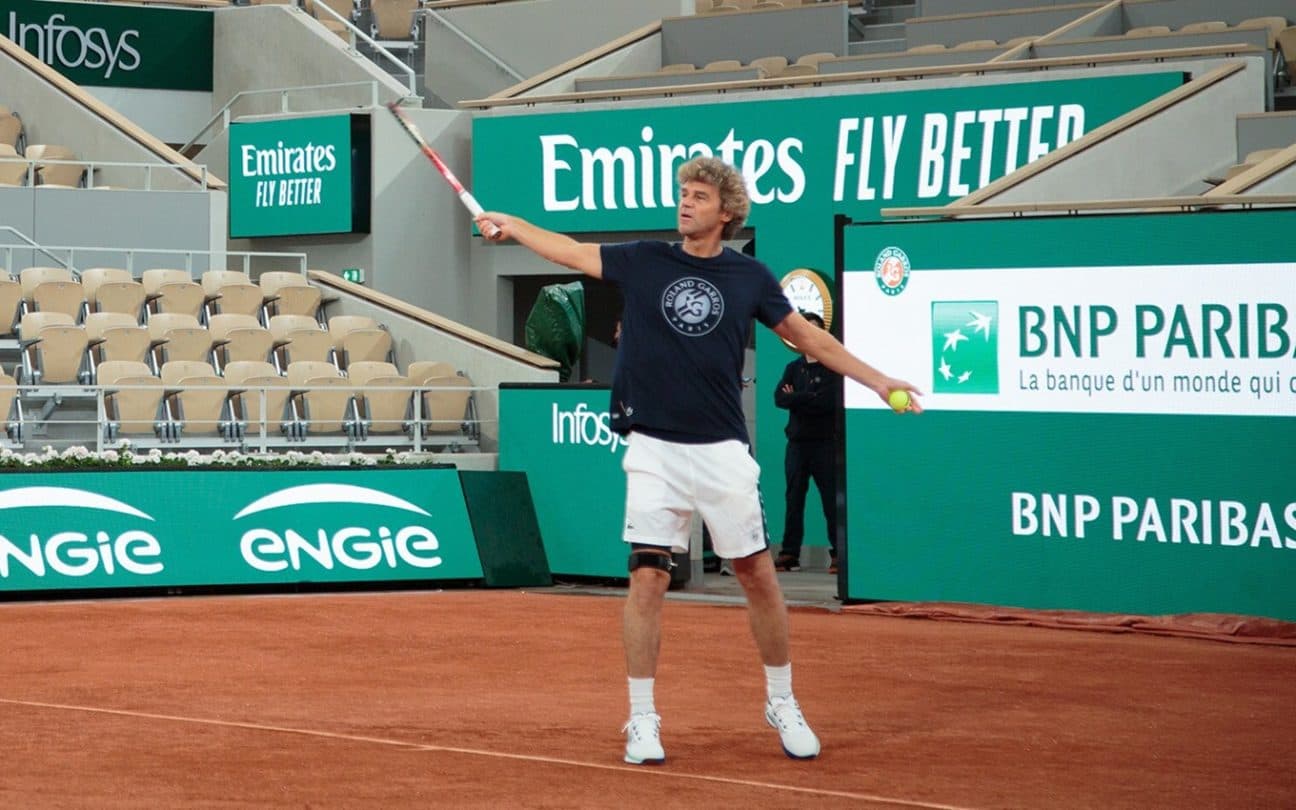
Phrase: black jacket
x=812 y=404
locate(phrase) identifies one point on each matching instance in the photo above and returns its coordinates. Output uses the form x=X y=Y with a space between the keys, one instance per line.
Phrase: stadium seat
x=132 y=401
x=394 y=19
x=815 y=58
x=53 y=349
x=172 y=291
x=238 y=337
x=356 y=337
x=11 y=304
x=11 y=129
x=324 y=400
x=230 y=292
x=384 y=411
x=447 y=403
x=285 y=293
x=1287 y=44
x=176 y=336
x=13 y=167
x=1148 y=31
x=112 y=289
x=723 y=64
x=52 y=289
x=1275 y=26
x=116 y=336
x=679 y=67
x=420 y=370
x=1204 y=26
x=196 y=399
x=772 y=65
x=11 y=409
x=64 y=173
x=300 y=337
x=249 y=378
x=975 y=45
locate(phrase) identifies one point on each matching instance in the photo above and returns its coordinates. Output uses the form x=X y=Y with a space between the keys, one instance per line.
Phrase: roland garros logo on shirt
x=692 y=306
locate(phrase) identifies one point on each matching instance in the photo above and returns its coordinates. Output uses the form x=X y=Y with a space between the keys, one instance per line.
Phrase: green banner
x=290 y=176
x=149 y=529
x=116 y=45
x=614 y=170
x=559 y=436
x=1111 y=417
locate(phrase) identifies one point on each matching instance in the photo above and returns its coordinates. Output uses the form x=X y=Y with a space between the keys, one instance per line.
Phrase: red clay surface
x=510 y=699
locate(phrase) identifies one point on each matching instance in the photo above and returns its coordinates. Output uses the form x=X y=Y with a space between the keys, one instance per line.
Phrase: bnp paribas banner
x=115 y=45
x=291 y=176
x=614 y=170
x=1111 y=416
x=136 y=529
x=561 y=437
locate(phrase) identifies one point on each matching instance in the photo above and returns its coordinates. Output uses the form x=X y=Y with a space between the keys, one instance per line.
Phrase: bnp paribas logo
x=965 y=347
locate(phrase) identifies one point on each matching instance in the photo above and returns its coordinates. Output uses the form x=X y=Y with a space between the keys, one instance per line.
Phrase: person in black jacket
x=811 y=393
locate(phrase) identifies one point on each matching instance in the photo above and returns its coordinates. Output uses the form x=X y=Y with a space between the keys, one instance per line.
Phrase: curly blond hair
x=728 y=182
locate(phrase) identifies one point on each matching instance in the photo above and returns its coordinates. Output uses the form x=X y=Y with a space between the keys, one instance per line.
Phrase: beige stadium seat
x=384 y=396
x=172 y=291
x=1286 y=41
x=1204 y=26
x=64 y=172
x=343 y=7
x=420 y=370
x=60 y=296
x=394 y=19
x=300 y=337
x=772 y=65
x=13 y=167
x=679 y=67
x=1275 y=26
x=132 y=400
x=447 y=403
x=799 y=70
x=724 y=64
x=762 y=5
x=11 y=129
x=1148 y=31
x=33 y=277
x=11 y=304
x=251 y=378
x=11 y=408
x=196 y=398
x=238 y=337
x=975 y=45
x=54 y=349
x=815 y=58
x=325 y=400
x=285 y=293
x=177 y=336
x=934 y=47
x=115 y=336
x=356 y=337
x=230 y=292
x=113 y=289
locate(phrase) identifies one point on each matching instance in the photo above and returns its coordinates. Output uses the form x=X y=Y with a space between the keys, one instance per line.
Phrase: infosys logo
x=581 y=426
x=66 y=45
x=78 y=550
x=360 y=548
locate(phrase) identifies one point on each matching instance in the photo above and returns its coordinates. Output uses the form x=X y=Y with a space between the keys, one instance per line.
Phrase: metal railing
x=353 y=32
x=66 y=255
x=223 y=115
x=91 y=166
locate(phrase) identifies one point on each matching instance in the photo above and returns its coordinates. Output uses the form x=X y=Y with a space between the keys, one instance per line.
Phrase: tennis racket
x=465 y=196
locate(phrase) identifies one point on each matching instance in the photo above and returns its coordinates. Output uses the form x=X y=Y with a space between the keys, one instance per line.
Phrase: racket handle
x=474 y=208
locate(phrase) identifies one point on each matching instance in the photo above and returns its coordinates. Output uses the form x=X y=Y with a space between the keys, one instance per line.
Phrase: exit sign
x=355 y=275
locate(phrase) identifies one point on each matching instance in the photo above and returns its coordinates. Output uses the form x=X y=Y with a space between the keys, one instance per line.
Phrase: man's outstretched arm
x=828 y=350
x=555 y=247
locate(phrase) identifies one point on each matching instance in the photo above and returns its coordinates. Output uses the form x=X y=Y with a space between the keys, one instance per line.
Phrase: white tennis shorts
x=667 y=481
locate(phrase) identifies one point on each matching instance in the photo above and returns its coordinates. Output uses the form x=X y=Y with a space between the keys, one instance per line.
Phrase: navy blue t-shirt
x=685 y=327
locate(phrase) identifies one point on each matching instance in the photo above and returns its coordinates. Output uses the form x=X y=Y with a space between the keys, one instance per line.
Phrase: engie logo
x=360 y=548
x=77 y=550
x=583 y=426
x=965 y=347
x=68 y=46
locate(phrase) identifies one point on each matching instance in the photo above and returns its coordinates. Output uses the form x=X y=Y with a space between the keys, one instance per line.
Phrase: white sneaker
x=799 y=742
x=643 y=739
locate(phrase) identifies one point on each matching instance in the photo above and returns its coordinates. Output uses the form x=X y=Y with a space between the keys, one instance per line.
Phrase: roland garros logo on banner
x=391 y=543
x=891 y=271
x=73 y=547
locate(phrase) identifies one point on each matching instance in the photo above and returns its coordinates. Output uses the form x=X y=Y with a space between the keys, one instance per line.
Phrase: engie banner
x=614 y=170
x=1111 y=412
x=561 y=437
x=115 y=45
x=138 y=529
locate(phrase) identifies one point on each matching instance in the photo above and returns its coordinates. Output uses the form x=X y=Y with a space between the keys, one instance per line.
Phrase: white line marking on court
x=638 y=770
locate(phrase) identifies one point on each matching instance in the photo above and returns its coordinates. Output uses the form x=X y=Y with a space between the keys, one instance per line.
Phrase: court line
x=638 y=770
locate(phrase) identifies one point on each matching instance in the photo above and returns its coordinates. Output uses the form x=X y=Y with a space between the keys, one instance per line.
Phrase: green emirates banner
x=294 y=176
x=803 y=157
x=115 y=45
x=149 y=529
x=1111 y=417
x=560 y=437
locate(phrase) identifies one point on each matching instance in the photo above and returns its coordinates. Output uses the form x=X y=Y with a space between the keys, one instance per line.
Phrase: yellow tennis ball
x=899 y=400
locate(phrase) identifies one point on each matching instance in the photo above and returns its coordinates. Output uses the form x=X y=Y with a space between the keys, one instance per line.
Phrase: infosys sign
x=295 y=176
x=154 y=529
x=109 y=45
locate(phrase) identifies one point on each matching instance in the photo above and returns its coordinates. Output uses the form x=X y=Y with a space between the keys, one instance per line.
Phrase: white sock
x=778 y=681
x=641 y=695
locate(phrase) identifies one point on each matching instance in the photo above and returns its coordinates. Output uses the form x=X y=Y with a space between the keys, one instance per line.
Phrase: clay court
x=515 y=699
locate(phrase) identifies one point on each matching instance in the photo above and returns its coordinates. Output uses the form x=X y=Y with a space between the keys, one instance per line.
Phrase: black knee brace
x=651 y=557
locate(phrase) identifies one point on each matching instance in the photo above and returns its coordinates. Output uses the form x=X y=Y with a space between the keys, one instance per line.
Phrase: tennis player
x=676 y=394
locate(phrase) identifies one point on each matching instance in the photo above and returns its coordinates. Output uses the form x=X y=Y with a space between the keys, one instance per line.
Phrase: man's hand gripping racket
x=488 y=228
